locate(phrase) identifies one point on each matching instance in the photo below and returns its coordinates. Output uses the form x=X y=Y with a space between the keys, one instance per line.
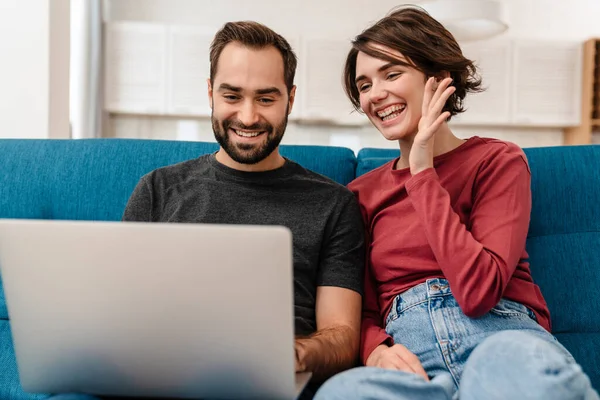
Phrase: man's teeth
x=246 y=133
x=391 y=112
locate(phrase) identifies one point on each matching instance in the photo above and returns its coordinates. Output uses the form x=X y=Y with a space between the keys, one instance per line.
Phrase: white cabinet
x=528 y=83
x=322 y=65
x=188 y=70
x=161 y=69
x=135 y=68
x=491 y=106
x=547 y=83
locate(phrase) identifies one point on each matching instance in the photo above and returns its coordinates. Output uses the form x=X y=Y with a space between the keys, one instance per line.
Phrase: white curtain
x=86 y=69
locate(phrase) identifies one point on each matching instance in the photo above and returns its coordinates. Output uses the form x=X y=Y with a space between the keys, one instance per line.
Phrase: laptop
x=151 y=309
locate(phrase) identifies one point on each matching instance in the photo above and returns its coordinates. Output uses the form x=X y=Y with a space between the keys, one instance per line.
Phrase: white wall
x=553 y=19
x=34 y=72
x=58 y=66
x=288 y=17
x=535 y=19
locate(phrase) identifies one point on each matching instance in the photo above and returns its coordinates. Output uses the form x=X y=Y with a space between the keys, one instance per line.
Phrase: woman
x=450 y=308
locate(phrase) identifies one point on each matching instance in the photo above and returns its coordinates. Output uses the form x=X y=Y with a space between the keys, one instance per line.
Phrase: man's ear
x=210 y=93
x=291 y=100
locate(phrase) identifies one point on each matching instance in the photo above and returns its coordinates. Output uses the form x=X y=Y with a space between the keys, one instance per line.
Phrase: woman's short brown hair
x=426 y=45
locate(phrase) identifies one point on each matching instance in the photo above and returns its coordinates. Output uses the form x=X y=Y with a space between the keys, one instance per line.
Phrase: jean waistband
x=435 y=287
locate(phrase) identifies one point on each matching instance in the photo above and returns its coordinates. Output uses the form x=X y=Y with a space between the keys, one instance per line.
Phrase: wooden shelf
x=590 y=96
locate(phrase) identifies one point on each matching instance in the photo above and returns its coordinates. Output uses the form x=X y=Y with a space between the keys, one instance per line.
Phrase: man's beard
x=245 y=153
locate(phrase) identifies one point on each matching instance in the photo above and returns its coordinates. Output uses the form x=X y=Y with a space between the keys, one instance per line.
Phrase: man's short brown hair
x=254 y=36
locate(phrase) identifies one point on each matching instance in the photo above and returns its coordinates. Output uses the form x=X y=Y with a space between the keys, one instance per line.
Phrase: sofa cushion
x=373 y=152
x=10 y=387
x=367 y=164
x=564 y=233
x=3 y=310
x=567 y=269
x=92 y=179
x=584 y=348
x=566 y=189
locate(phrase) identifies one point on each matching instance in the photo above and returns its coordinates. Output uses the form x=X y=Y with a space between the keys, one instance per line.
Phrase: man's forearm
x=328 y=351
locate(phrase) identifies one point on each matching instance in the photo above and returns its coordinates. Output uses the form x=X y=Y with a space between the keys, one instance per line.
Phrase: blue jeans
x=504 y=354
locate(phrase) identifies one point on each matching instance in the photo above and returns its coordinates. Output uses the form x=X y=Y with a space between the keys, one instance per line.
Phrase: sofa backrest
x=92 y=179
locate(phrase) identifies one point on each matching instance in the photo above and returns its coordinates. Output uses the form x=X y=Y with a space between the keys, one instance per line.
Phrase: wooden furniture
x=590 y=92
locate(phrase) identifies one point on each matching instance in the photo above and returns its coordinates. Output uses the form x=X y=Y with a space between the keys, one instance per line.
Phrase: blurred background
x=76 y=69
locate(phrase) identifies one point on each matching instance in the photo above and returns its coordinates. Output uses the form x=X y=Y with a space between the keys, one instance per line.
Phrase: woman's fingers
x=427 y=95
x=439 y=91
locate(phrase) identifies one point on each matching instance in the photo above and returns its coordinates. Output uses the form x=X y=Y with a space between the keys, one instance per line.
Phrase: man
x=251 y=91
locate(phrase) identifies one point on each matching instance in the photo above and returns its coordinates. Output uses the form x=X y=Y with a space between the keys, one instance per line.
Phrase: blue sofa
x=92 y=180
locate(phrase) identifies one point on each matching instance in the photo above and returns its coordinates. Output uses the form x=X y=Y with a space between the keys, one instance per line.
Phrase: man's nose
x=248 y=114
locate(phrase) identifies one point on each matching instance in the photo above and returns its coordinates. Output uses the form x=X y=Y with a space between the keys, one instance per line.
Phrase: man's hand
x=327 y=352
x=396 y=357
x=334 y=347
x=299 y=366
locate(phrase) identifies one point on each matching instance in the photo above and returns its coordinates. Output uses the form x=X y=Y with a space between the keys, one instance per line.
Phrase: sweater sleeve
x=140 y=204
x=478 y=256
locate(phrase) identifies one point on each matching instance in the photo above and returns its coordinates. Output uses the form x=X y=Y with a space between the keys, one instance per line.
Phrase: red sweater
x=465 y=220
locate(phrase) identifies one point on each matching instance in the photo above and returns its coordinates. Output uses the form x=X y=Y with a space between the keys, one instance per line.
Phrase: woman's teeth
x=391 y=112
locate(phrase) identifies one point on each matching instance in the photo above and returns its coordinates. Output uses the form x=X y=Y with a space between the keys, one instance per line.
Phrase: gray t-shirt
x=324 y=217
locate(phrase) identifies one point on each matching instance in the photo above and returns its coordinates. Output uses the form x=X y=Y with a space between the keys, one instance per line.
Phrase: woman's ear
x=440 y=77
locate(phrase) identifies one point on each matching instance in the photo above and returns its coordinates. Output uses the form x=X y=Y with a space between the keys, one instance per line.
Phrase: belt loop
x=393 y=313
